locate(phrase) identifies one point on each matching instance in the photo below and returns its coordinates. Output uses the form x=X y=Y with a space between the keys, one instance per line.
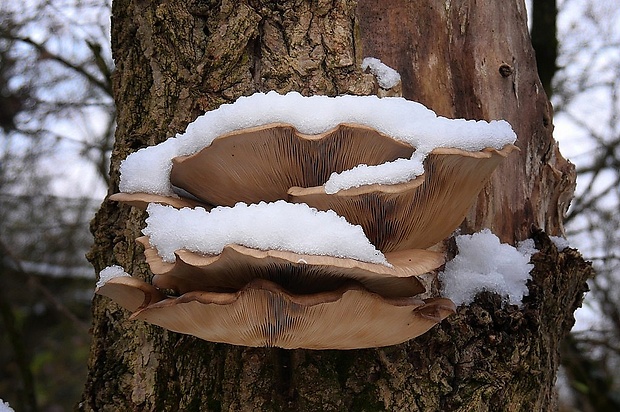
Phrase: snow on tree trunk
x=175 y=60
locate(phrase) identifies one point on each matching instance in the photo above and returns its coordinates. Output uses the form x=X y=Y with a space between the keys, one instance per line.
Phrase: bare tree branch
x=49 y=296
x=105 y=85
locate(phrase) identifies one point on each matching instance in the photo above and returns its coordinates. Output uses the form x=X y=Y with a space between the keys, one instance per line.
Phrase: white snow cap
x=386 y=76
x=483 y=263
x=5 y=407
x=148 y=169
x=267 y=226
x=389 y=173
x=110 y=272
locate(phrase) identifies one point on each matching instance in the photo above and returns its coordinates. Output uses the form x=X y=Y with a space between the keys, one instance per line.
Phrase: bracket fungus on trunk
x=422 y=212
x=237 y=265
x=262 y=163
x=263 y=313
x=305 y=211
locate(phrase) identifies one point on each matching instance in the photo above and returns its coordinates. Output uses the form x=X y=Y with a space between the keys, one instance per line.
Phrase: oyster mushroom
x=275 y=161
x=303 y=274
x=265 y=314
x=319 y=302
x=416 y=214
x=142 y=200
x=263 y=163
x=302 y=249
x=130 y=293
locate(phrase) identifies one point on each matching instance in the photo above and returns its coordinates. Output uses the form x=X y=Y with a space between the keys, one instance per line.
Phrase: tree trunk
x=471 y=59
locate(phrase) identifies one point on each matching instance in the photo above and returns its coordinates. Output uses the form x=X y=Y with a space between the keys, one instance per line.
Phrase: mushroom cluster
x=307 y=291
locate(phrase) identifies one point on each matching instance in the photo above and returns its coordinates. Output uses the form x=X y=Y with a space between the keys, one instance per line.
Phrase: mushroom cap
x=275 y=161
x=237 y=265
x=264 y=314
x=262 y=163
x=130 y=293
x=415 y=214
x=142 y=200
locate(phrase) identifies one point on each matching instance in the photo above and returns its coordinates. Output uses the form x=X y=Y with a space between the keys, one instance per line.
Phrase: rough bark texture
x=473 y=59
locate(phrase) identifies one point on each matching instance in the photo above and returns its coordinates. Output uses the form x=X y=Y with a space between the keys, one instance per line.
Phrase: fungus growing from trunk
x=304 y=222
x=302 y=274
x=263 y=313
x=263 y=163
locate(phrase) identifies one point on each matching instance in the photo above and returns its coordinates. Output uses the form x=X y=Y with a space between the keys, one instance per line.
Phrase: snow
x=483 y=263
x=5 y=407
x=398 y=171
x=148 y=169
x=267 y=226
x=386 y=76
x=527 y=248
x=110 y=272
x=560 y=242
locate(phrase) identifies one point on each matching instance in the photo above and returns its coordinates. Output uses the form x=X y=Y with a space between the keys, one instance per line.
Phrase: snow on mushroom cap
x=276 y=226
x=388 y=173
x=148 y=169
x=483 y=263
x=110 y=272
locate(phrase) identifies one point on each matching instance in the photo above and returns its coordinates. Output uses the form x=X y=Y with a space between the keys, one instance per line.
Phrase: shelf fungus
x=308 y=223
x=263 y=313
x=238 y=265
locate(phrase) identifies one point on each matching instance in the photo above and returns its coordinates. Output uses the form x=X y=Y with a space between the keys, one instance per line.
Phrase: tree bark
x=471 y=59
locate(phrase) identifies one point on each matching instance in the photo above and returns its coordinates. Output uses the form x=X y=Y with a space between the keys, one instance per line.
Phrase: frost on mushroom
x=292 y=221
x=110 y=272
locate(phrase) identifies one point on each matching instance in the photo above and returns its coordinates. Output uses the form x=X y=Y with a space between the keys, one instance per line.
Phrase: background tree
x=177 y=59
x=56 y=131
x=545 y=40
x=586 y=101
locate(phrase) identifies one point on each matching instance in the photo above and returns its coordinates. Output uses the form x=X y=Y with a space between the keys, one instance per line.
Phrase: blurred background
x=56 y=135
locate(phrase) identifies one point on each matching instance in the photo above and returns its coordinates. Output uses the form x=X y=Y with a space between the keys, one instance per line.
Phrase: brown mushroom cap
x=142 y=200
x=130 y=293
x=415 y=214
x=264 y=314
x=275 y=161
x=237 y=265
x=262 y=163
